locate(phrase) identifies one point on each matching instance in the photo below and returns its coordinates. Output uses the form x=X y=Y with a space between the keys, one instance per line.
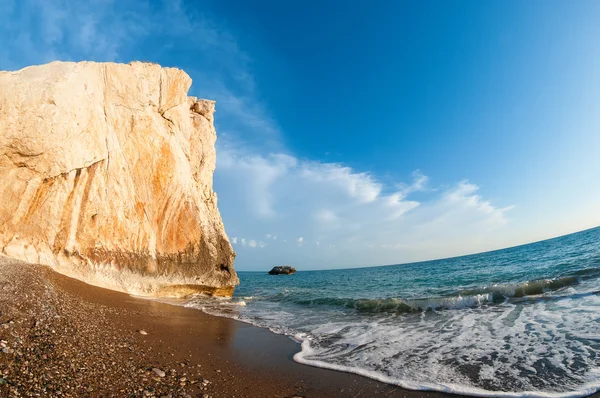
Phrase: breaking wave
x=494 y=294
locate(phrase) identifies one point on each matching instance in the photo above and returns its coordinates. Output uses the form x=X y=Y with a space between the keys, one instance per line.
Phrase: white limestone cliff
x=106 y=176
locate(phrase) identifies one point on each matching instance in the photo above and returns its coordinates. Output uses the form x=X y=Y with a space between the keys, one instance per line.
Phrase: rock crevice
x=106 y=176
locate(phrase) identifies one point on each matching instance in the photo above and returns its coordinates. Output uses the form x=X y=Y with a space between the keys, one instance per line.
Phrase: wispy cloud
x=353 y=213
x=419 y=183
x=38 y=31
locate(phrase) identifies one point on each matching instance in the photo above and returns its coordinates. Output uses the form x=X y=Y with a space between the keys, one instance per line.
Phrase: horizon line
x=436 y=259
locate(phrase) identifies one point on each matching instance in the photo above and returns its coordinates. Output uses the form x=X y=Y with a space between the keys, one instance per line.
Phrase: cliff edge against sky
x=106 y=176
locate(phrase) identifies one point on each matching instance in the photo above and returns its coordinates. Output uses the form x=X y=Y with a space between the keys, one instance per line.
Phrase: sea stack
x=106 y=175
x=282 y=270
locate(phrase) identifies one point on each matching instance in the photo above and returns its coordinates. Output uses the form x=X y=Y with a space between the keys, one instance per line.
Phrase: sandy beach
x=61 y=337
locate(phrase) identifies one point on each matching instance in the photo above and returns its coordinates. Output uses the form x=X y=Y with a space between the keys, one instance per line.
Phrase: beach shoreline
x=67 y=338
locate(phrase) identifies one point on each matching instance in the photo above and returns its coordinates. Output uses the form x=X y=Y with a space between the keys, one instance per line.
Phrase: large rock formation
x=106 y=176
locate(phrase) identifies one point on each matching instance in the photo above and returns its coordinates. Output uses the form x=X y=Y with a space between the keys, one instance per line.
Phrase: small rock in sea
x=142 y=332
x=282 y=270
x=158 y=372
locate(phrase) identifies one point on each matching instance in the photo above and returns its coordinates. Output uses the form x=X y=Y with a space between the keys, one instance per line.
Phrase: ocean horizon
x=427 y=260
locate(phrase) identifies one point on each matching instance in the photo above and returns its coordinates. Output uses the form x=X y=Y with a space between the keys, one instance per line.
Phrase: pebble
x=7 y=350
x=158 y=372
x=143 y=332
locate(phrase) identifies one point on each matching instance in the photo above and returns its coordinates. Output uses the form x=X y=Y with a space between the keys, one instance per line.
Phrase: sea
x=517 y=322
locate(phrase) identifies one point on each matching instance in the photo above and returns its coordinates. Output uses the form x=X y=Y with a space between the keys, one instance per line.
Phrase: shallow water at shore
x=515 y=322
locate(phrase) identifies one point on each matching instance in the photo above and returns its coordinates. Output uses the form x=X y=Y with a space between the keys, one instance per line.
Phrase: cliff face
x=106 y=176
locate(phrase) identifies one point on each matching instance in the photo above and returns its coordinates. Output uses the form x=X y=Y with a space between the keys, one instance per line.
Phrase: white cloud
x=357 y=219
x=251 y=243
x=419 y=183
x=465 y=195
x=360 y=186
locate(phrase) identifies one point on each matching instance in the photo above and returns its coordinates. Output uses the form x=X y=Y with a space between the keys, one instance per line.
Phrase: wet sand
x=66 y=338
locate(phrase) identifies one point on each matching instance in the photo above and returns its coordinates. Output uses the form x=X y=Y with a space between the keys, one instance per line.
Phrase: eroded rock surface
x=106 y=176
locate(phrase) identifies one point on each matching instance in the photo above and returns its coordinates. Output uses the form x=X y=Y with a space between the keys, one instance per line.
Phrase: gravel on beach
x=59 y=345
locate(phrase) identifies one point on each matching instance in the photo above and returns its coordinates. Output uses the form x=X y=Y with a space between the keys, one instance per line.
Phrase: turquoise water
x=523 y=321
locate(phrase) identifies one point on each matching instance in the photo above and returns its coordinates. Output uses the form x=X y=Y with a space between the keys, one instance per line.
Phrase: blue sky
x=362 y=135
